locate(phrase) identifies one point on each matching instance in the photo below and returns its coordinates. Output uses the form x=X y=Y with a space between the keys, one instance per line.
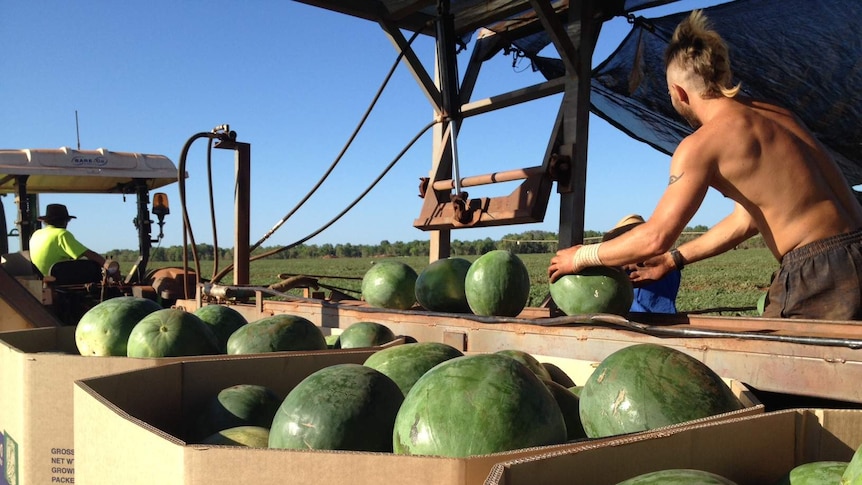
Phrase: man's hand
x=563 y=263
x=651 y=270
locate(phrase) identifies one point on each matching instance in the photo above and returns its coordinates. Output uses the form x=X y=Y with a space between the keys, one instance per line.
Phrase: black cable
x=212 y=205
x=591 y=319
x=341 y=153
x=418 y=135
x=187 y=227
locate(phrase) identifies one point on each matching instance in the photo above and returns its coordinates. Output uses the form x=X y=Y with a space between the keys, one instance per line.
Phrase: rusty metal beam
x=491 y=178
x=512 y=98
x=557 y=32
x=423 y=79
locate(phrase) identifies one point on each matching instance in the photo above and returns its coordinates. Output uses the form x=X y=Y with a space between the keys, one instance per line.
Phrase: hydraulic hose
x=341 y=153
x=188 y=235
x=386 y=170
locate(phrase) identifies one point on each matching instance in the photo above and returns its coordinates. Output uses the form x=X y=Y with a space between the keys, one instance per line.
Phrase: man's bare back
x=769 y=163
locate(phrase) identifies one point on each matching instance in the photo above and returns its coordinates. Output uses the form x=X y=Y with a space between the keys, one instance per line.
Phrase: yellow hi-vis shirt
x=52 y=244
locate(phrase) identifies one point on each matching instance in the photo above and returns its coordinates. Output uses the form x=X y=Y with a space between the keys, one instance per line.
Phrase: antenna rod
x=77 y=130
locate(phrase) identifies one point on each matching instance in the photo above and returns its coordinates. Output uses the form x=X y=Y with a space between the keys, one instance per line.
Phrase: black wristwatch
x=678 y=260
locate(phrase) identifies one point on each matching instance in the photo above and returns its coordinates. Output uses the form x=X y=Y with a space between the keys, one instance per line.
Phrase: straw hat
x=56 y=213
x=625 y=225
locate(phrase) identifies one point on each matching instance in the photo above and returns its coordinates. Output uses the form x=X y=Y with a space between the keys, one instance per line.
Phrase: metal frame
x=573 y=28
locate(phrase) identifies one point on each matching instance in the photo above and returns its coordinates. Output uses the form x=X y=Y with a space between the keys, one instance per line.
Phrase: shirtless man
x=784 y=184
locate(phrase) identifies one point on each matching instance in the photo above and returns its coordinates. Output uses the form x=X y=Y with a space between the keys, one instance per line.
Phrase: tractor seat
x=76 y=272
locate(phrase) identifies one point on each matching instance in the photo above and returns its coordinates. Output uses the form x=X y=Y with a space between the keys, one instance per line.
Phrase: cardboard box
x=752 y=450
x=127 y=429
x=37 y=370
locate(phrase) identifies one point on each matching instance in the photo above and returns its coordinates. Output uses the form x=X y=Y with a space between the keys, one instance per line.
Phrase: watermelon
x=171 y=332
x=816 y=473
x=234 y=406
x=576 y=390
x=405 y=364
x=440 y=286
x=276 y=333
x=598 y=289
x=248 y=436
x=340 y=407
x=365 y=334
x=558 y=375
x=477 y=404
x=853 y=474
x=497 y=284
x=647 y=386
x=678 y=477
x=525 y=358
x=570 y=407
x=223 y=320
x=390 y=284
x=104 y=329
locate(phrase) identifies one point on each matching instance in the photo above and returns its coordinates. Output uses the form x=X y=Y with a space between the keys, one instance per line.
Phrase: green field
x=729 y=284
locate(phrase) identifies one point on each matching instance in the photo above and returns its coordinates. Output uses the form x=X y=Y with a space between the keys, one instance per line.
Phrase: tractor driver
x=55 y=243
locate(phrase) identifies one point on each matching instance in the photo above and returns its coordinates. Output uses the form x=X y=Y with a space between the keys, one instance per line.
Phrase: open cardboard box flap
x=751 y=450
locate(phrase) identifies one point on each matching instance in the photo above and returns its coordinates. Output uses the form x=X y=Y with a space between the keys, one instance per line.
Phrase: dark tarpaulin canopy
x=806 y=56
x=803 y=54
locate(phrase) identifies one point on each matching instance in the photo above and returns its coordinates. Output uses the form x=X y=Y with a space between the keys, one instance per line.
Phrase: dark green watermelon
x=576 y=390
x=853 y=474
x=647 y=386
x=405 y=364
x=340 y=407
x=248 y=436
x=390 y=284
x=678 y=477
x=531 y=362
x=365 y=334
x=558 y=375
x=477 y=404
x=104 y=329
x=440 y=286
x=570 y=407
x=816 y=473
x=598 y=289
x=497 y=284
x=234 y=406
x=275 y=334
x=223 y=320
x=171 y=332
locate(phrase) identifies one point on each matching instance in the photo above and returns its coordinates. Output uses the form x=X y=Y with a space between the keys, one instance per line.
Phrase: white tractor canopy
x=66 y=170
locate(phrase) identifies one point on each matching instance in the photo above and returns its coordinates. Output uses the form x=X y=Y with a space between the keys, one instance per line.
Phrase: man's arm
x=94 y=256
x=690 y=176
x=724 y=236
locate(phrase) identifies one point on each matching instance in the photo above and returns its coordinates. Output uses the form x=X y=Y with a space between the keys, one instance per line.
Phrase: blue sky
x=293 y=81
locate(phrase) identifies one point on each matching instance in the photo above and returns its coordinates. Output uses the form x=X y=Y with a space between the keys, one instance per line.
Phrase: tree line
x=529 y=242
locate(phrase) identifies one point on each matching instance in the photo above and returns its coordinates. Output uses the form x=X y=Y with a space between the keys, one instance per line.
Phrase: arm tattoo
x=674 y=178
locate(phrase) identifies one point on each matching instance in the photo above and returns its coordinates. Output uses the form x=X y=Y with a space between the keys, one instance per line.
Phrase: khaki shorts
x=821 y=280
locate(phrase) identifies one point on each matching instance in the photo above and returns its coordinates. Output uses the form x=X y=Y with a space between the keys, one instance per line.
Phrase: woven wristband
x=678 y=260
x=587 y=256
